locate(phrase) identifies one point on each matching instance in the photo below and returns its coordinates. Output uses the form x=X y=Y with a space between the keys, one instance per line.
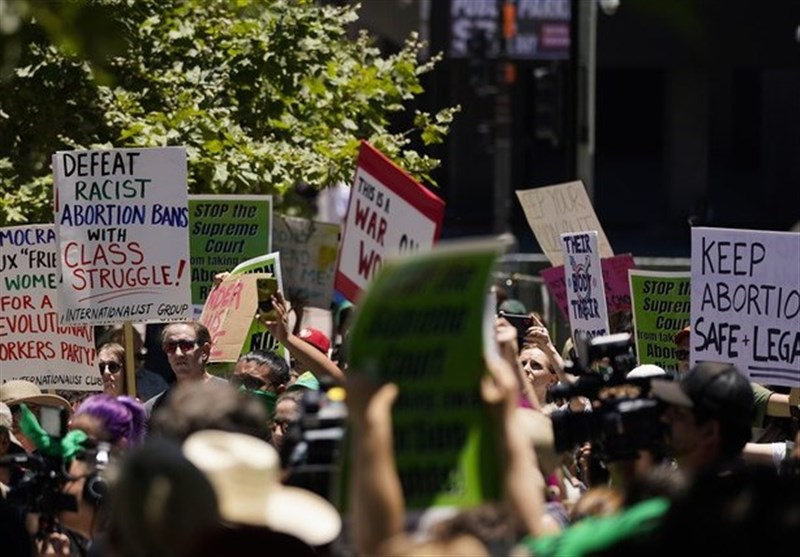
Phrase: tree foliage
x=264 y=94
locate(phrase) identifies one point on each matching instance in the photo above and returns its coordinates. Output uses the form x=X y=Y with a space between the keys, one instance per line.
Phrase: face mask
x=267 y=398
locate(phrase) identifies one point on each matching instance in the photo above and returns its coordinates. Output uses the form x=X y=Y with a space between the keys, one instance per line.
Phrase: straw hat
x=245 y=473
x=18 y=390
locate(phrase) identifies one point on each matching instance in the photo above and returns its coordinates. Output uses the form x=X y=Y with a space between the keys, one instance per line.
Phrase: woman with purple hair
x=118 y=420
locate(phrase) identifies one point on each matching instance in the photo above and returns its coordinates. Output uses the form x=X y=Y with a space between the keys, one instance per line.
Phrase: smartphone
x=53 y=420
x=520 y=321
x=266 y=288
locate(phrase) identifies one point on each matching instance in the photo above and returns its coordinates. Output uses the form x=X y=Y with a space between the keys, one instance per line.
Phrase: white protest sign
x=389 y=213
x=122 y=232
x=745 y=305
x=555 y=210
x=586 y=294
x=308 y=256
x=33 y=346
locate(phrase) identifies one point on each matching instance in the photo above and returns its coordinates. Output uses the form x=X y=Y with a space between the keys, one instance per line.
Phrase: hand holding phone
x=521 y=322
x=266 y=288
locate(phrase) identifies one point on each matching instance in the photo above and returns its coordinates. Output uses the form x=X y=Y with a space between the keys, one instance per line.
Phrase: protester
x=310 y=353
x=196 y=406
x=148 y=383
x=187 y=346
x=245 y=474
x=117 y=420
x=15 y=392
x=162 y=504
x=265 y=375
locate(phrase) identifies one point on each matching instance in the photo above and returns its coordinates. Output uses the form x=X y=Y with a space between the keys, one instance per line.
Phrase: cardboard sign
x=308 y=256
x=554 y=210
x=389 y=212
x=660 y=309
x=224 y=231
x=746 y=302
x=422 y=324
x=33 y=346
x=615 y=281
x=258 y=336
x=228 y=313
x=586 y=295
x=122 y=223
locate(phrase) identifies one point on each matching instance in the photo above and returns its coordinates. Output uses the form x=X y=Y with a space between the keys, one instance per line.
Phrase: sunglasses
x=682 y=354
x=247 y=381
x=113 y=367
x=185 y=345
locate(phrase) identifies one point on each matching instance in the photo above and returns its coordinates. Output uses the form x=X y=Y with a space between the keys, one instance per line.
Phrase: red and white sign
x=389 y=214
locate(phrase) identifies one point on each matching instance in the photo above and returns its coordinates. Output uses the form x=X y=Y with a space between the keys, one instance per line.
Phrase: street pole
x=586 y=13
x=502 y=118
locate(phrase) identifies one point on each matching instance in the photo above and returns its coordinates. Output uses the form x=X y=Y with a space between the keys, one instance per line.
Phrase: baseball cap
x=715 y=389
x=512 y=306
x=316 y=338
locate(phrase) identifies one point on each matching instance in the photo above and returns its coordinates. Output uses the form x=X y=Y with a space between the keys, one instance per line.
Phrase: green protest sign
x=224 y=231
x=660 y=302
x=422 y=324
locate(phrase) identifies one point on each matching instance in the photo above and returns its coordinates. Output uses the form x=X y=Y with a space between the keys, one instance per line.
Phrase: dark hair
x=122 y=417
x=279 y=373
x=201 y=333
x=196 y=406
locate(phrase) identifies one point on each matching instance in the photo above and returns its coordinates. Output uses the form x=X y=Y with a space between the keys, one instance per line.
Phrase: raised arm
x=309 y=357
x=376 y=496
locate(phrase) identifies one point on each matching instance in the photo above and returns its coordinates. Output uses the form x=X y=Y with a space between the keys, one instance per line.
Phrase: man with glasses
x=767 y=401
x=262 y=374
x=187 y=346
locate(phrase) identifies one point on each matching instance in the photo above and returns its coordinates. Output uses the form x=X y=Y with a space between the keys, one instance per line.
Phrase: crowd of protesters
x=202 y=464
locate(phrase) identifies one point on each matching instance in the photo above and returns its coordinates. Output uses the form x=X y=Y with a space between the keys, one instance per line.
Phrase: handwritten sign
x=224 y=231
x=389 y=212
x=615 y=280
x=660 y=309
x=228 y=313
x=554 y=210
x=258 y=336
x=746 y=302
x=33 y=345
x=421 y=324
x=308 y=256
x=586 y=296
x=121 y=227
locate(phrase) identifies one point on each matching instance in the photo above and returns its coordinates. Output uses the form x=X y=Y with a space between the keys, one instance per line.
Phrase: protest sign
x=660 y=309
x=258 y=336
x=33 y=345
x=308 y=256
x=224 y=231
x=228 y=314
x=554 y=210
x=586 y=296
x=746 y=302
x=615 y=281
x=422 y=324
x=121 y=220
x=389 y=212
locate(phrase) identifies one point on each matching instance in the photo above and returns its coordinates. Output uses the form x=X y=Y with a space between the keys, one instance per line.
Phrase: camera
x=44 y=474
x=623 y=420
x=312 y=443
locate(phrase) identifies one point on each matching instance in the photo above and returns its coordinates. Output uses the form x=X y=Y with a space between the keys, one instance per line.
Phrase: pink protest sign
x=389 y=213
x=615 y=278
